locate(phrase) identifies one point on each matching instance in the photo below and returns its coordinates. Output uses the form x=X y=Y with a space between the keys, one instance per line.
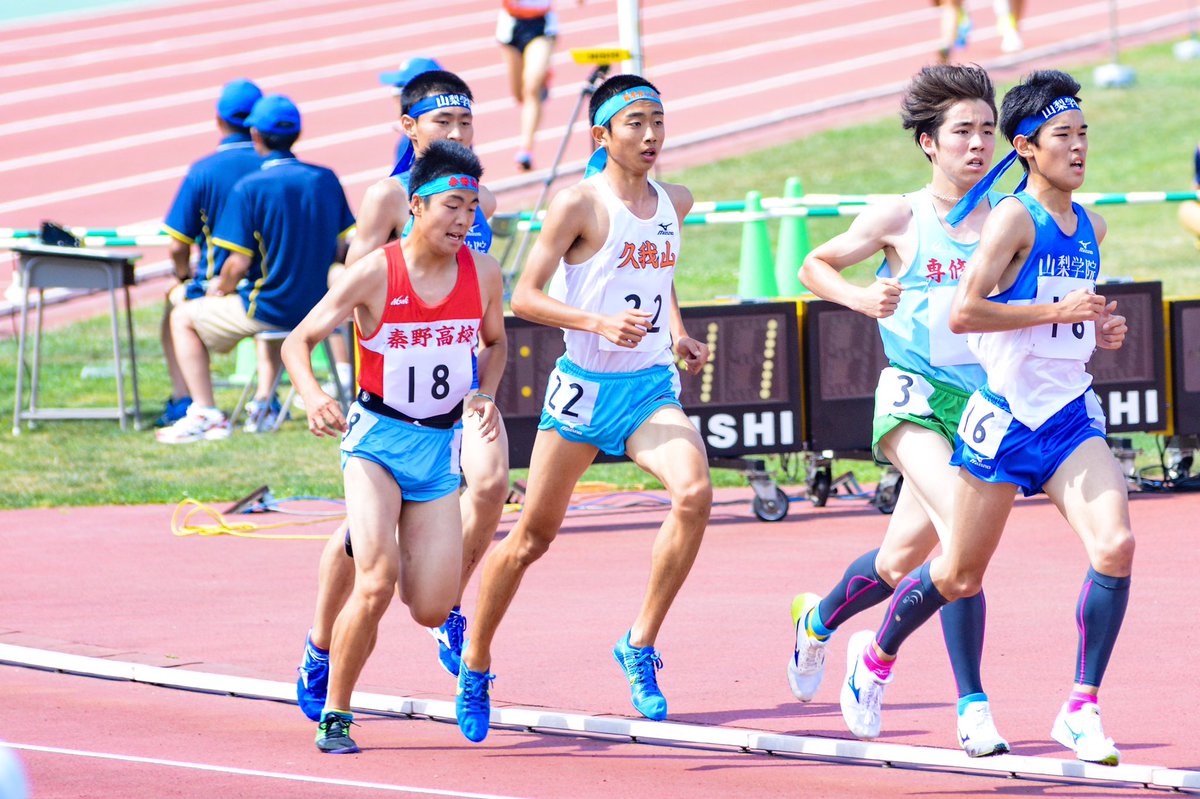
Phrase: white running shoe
x=977 y=732
x=198 y=424
x=806 y=666
x=1081 y=732
x=1011 y=42
x=862 y=691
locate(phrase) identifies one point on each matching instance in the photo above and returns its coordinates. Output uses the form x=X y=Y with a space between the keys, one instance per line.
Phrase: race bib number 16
x=983 y=425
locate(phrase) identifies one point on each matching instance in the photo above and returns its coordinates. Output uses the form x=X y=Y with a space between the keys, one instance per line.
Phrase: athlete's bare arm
x=363 y=294
x=1005 y=243
x=384 y=209
x=572 y=229
x=487 y=202
x=880 y=227
x=492 y=352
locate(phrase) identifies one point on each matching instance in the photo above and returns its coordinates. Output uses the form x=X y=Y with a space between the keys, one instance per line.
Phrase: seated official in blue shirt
x=193 y=215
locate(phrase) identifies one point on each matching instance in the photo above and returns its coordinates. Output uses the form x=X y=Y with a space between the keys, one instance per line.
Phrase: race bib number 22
x=571 y=399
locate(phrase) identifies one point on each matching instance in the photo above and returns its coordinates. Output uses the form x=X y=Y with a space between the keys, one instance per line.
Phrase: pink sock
x=1078 y=699
x=880 y=668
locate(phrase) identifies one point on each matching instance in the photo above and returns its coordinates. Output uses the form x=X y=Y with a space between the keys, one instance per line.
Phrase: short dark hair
x=428 y=84
x=1035 y=91
x=279 y=142
x=441 y=158
x=936 y=88
x=611 y=88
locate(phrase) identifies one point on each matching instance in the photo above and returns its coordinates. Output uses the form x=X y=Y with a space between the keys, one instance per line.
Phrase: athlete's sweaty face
x=965 y=142
x=637 y=135
x=444 y=220
x=451 y=124
x=1061 y=150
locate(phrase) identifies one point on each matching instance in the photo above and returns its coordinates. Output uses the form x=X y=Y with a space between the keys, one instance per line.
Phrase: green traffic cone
x=756 y=272
x=793 y=245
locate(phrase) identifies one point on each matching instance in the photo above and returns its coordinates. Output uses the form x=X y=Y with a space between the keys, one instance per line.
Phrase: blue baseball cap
x=237 y=99
x=274 y=114
x=407 y=71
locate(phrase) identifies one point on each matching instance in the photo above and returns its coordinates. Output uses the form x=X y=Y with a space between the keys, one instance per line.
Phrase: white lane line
x=248 y=772
x=668 y=733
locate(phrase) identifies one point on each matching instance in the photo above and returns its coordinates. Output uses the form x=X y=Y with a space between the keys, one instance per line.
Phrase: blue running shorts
x=422 y=460
x=996 y=448
x=605 y=408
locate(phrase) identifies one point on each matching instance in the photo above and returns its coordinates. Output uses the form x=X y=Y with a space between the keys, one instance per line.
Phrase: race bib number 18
x=983 y=425
x=571 y=399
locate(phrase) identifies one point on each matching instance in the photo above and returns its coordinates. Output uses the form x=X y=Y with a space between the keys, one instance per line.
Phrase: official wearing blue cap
x=193 y=214
x=285 y=221
x=237 y=99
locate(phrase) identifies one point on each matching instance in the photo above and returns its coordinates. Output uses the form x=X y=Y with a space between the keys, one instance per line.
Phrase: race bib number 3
x=901 y=392
x=570 y=399
x=983 y=425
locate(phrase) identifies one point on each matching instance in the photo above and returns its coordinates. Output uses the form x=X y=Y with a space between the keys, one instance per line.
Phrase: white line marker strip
x=246 y=772
x=663 y=732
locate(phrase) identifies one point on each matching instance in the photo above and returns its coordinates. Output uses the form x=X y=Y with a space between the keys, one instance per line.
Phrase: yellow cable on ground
x=184 y=527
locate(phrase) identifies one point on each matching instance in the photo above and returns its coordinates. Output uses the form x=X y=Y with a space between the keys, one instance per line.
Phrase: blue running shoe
x=450 y=641
x=333 y=734
x=313 y=684
x=472 y=705
x=173 y=411
x=640 y=665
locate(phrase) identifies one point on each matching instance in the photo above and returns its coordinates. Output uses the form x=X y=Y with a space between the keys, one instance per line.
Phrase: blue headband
x=609 y=109
x=434 y=102
x=448 y=183
x=1026 y=128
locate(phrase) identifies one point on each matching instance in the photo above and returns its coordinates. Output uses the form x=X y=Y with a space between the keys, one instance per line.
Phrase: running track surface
x=101 y=112
x=113 y=582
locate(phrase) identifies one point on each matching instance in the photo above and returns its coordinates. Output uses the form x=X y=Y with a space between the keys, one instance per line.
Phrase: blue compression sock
x=962 y=627
x=915 y=600
x=861 y=588
x=1098 y=614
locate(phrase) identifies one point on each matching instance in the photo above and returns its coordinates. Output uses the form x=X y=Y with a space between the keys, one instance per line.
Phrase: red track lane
x=114 y=582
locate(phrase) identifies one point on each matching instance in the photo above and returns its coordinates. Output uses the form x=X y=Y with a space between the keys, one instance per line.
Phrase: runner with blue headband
x=1026 y=128
x=1028 y=300
x=422 y=307
x=604 y=116
x=386 y=214
x=609 y=248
